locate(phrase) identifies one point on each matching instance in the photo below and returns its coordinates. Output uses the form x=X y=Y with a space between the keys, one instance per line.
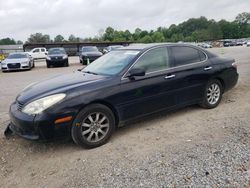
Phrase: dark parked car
x=121 y=85
x=89 y=53
x=229 y=43
x=57 y=57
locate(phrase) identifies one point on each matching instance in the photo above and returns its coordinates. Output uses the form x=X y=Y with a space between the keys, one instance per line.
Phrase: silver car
x=17 y=61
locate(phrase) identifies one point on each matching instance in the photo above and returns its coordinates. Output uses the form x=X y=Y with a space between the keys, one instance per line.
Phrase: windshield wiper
x=89 y=72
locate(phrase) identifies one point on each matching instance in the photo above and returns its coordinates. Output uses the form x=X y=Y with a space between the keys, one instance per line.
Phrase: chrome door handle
x=207 y=68
x=170 y=76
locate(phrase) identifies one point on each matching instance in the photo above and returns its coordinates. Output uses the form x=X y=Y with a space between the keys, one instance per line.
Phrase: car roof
x=142 y=47
x=57 y=48
x=25 y=53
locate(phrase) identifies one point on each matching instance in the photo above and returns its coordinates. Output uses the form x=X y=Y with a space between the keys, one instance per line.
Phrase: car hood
x=20 y=60
x=91 y=53
x=59 y=84
x=56 y=55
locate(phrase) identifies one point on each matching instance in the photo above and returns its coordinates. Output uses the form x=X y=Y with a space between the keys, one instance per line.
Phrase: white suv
x=38 y=53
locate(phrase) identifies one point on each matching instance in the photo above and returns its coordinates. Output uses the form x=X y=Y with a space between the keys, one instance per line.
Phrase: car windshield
x=56 y=51
x=112 y=63
x=16 y=56
x=89 y=49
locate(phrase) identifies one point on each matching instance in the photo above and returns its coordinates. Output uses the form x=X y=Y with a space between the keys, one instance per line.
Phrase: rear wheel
x=212 y=94
x=93 y=126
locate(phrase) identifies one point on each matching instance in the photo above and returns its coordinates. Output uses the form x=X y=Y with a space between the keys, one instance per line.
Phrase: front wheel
x=93 y=126
x=212 y=94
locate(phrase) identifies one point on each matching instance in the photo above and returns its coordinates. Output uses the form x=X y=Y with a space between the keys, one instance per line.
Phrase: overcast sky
x=84 y=18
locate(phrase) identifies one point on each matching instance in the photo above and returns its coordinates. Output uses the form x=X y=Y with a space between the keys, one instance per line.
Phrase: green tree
x=109 y=34
x=158 y=37
x=72 y=38
x=39 y=38
x=146 y=39
x=7 y=41
x=243 y=18
x=59 y=38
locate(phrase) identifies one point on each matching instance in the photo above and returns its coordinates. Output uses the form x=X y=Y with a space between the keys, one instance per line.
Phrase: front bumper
x=59 y=62
x=38 y=127
x=21 y=67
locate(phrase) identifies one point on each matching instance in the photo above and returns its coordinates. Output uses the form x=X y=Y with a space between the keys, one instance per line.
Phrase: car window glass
x=43 y=50
x=154 y=60
x=202 y=56
x=36 y=51
x=185 y=55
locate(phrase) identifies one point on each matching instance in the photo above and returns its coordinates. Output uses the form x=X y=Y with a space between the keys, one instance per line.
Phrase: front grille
x=19 y=106
x=56 y=58
x=14 y=65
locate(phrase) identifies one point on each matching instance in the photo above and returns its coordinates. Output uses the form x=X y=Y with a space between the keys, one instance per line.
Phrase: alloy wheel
x=95 y=127
x=213 y=93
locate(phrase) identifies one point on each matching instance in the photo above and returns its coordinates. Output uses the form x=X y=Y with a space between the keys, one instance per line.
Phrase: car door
x=36 y=53
x=152 y=92
x=193 y=69
x=43 y=53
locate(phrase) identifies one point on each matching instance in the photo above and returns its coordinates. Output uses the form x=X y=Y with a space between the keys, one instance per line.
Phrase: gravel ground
x=190 y=147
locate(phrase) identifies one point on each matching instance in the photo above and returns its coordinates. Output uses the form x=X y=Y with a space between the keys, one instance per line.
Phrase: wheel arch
x=110 y=106
x=222 y=83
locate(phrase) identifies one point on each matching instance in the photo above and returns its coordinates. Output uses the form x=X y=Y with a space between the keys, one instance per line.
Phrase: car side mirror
x=46 y=53
x=136 y=72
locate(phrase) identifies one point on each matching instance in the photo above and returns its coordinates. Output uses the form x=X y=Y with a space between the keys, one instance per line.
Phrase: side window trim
x=171 y=59
x=199 y=51
x=158 y=47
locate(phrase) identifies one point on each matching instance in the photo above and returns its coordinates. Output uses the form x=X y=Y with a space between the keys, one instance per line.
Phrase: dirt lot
x=189 y=147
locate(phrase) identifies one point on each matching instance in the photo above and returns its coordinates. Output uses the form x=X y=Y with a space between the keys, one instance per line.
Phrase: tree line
x=192 y=30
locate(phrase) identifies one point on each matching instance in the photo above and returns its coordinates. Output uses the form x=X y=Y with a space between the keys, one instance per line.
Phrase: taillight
x=234 y=65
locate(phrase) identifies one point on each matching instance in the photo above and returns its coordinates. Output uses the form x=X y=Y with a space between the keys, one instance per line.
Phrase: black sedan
x=122 y=85
x=89 y=54
x=57 y=57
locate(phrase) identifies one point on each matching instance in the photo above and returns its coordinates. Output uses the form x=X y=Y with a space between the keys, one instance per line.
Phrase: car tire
x=33 y=65
x=93 y=126
x=66 y=64
x=48 y=65
x=212 y=94
x=81 y=62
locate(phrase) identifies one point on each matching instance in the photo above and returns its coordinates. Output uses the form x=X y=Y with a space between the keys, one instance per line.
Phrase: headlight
x=3 y=64
x=65 y=57
x=38 y=106
x=25 y=63
x=48 y=58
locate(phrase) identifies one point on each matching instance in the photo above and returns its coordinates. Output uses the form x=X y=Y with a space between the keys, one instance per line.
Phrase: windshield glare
x=56 y=51
x=16 y=56
x=111 y=63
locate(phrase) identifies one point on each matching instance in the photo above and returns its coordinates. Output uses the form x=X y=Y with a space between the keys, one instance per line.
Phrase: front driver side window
x=154 y=60
x=36 y=51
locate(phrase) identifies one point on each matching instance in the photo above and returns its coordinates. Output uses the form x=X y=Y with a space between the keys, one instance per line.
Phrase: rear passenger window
x=154 y=60
x=202 y=56
x=43 y=50
x=185 y=55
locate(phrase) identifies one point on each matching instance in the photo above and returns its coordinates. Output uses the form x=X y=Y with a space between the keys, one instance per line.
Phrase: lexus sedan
x=122 y=85
x=89 y=54
x=57 y=57
x=17 y=61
